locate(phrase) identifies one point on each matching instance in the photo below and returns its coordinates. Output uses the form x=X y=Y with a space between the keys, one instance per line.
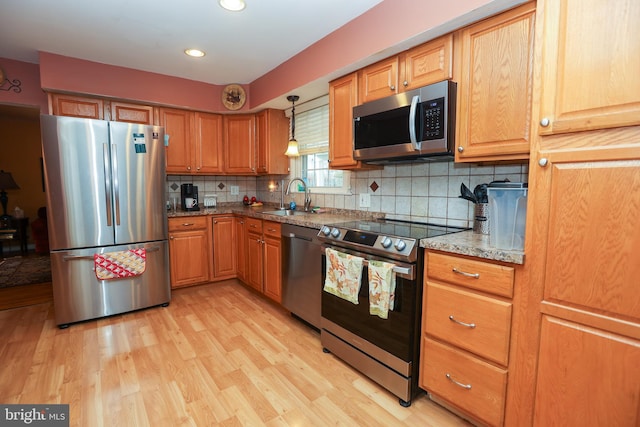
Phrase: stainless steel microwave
x=414 y=125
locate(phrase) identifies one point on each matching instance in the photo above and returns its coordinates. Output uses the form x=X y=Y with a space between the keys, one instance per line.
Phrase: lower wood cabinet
x=263 y=249
x=466 y=335
x=224 y=255
x=189 y=250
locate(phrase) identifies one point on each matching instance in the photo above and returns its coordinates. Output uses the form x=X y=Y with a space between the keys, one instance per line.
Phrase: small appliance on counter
x=189 y=197
x=507 y=214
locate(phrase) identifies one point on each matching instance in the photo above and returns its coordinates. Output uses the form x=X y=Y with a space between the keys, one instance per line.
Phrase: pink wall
x=62 y=73
x=387 y=24
x=390 y=23
x=29 y=75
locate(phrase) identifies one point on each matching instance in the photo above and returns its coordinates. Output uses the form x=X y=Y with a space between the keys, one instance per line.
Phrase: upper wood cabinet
x=495 y=77
x=101 y=109
x=240 y=144
x=589 y=65
x=195 y=141
x=427 y=63
x=207 y=143
x=131 y=113
x=343 y=96
x=178 y=125
x=76 y=106
x=272 y=137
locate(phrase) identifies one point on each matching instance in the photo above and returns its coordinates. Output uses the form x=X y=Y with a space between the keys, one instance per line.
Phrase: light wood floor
x=218 y=355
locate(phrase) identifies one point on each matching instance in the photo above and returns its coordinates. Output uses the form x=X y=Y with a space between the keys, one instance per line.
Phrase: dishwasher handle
x=297 y=236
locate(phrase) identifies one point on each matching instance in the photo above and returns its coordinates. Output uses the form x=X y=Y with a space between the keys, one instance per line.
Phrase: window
x=312 y=134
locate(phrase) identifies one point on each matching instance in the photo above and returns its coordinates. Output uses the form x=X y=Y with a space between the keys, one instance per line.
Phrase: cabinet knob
x=543 y=162
x=198 y=168
x=170 y=237
x=544 y=122
x=405 y=83
x=392 y=87
x=460 y=149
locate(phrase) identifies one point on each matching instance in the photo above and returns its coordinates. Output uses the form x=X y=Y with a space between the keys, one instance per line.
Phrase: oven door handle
x=396 y=269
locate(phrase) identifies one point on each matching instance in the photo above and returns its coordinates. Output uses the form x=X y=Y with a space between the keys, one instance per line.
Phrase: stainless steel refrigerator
x=107 y=216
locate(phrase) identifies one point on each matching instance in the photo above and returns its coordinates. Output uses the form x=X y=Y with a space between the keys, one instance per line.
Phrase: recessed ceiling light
x=233 y=5
x=196 y=53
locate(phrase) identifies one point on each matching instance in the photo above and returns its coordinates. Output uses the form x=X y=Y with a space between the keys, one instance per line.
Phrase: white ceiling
x=151 y=35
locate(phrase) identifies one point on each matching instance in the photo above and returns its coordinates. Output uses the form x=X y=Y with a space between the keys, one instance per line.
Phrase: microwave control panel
x=433 y=124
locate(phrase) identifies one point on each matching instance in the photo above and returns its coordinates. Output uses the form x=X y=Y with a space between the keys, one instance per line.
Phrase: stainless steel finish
x=468 y=325
x=105 y=185
x=79 y=295
x=467 y=386
x=543 y=161
x=286 y=212
x=414 y=147
x=307 y=199
x=545 y=122
x=412 y=118
x=465 y=274
x=384 y=368
x=301 y=272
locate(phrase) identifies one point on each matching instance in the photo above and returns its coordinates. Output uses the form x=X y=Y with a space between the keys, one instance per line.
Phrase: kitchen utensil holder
x=481 y=218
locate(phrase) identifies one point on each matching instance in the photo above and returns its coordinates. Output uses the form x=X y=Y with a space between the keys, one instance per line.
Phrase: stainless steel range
x=385 y=350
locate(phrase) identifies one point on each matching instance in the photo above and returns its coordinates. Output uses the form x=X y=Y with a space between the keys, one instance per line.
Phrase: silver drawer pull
x=465 y=386
x=187 y=224
x=465 y=274
x=468 y=325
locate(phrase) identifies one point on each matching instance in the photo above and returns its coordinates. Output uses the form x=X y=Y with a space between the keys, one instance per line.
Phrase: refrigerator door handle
x=155 y=248
x=116 y=186
x=107 y=182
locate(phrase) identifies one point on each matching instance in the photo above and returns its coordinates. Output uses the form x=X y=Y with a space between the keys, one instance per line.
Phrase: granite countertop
x=463 y=243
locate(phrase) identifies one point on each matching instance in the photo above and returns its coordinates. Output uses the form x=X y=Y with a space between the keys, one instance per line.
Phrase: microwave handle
x=417 y=145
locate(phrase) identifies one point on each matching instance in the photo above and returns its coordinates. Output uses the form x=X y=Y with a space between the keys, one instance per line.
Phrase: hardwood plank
x=218 y=355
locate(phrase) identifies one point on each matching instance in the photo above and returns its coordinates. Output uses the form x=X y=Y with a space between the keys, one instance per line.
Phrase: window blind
x=312 y=130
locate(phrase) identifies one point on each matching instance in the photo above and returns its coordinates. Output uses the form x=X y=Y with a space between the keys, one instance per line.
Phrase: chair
x=40 y=232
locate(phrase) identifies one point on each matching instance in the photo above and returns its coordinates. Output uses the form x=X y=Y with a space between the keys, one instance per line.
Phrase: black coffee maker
x=189 y=197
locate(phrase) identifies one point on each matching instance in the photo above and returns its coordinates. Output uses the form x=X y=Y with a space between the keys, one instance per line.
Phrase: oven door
x=398 y=333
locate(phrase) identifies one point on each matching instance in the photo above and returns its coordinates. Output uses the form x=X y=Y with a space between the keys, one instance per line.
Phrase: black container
x=189 y=197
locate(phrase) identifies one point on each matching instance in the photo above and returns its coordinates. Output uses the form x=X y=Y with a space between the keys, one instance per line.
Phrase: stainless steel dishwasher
x=301 y=273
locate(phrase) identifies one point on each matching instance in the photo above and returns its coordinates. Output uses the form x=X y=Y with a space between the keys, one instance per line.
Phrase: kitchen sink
x=286 y=212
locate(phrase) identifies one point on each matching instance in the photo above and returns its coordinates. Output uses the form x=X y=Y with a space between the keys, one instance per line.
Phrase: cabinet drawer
x=272 y=228
x=253 y=224
x=483 y=276
x=188 y=223
x=480 y=389
x=445 y=307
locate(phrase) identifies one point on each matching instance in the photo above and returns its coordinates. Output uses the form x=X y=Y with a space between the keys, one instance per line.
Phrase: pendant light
x=292 y=148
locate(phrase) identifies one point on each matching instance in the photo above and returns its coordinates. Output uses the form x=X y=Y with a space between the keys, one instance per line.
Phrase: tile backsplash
x=421 y=191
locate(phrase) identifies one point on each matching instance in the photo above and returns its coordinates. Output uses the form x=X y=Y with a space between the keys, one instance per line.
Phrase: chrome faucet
x=307 y=199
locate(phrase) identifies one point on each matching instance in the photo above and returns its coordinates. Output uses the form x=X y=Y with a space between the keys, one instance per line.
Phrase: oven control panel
x=363 y=240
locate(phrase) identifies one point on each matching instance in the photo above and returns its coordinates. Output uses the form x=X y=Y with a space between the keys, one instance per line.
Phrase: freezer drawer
x=79 y=295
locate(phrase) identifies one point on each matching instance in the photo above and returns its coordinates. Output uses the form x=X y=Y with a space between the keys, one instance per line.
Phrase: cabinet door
x=254 y=260
x=239 y=144
x=189 y=257
x=131 y=113
x=241 y=248
x=208 y=143
x=590 y=65
x=177 y=124
x=495 y=87
x=586 y=377
x=272 y=261
x=224 y=251
x=76 y=106
x=272 y=136
x=378 y=80
x=428 y=63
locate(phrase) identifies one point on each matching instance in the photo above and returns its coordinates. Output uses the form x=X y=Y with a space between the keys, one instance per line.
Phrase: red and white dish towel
x=121 y=264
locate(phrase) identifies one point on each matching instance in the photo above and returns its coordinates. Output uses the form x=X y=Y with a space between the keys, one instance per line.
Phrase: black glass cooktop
x=400 y=228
